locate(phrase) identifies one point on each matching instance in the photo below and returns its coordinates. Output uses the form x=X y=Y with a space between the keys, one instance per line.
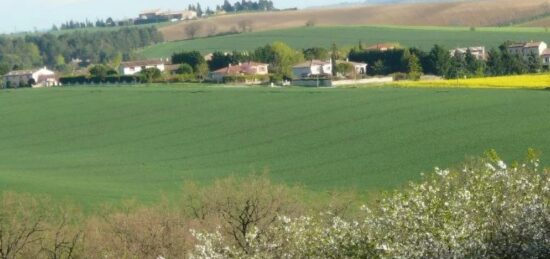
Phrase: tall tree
x=439 y=61
x=334 y=56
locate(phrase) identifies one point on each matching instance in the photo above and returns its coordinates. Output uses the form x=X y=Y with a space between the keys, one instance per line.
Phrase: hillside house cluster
x=158 y=14
x=36 y=78
x=525 y=49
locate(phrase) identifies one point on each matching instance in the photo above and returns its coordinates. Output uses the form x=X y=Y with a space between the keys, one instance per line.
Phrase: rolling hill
x=461 y=13
x=421 y=37
x=101 y=144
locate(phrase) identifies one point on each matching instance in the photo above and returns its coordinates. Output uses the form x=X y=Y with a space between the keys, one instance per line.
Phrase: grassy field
x=533 y=81
x=95 y=145
x=422 y=37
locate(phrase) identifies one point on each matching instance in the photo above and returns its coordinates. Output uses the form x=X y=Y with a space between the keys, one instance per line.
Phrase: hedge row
x=83 y=80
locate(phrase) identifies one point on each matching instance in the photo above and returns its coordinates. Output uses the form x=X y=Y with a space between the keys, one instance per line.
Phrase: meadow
x=103 y=144
x=423 y=37
x=530 y=81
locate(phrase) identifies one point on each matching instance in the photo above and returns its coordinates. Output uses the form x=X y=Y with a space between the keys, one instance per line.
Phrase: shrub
x=486 y=209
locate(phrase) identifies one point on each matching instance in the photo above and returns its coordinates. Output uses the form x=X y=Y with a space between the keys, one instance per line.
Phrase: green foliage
x=414 y=68
x=383 y=62
x=316 y=53
x=185 y=69
x=193 y=58
x=55 y=50
x=151 y=74
x=534 y=63
x=102 y=71
x=379 y=68
x=345 y=68
x=280 y=57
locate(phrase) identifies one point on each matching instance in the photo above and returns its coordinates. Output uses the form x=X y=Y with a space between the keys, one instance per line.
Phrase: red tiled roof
x=244 y=68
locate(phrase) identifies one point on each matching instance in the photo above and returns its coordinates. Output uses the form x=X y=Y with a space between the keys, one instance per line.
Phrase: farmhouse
x=312 y=68
x=134 y=67
x=524 y=49
x=478 y=52
x=35 y=78
x=150 y=14
x=383 y=46
x=241 y=69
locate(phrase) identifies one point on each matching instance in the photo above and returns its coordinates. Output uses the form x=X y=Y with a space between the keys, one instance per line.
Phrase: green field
x=101 y=144
x=421 y=37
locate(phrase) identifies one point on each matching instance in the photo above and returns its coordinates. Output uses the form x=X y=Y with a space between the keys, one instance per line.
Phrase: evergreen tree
x=199 y=10
x=334 y=55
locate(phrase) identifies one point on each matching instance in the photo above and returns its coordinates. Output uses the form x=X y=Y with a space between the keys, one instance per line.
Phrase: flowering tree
x=485 y=209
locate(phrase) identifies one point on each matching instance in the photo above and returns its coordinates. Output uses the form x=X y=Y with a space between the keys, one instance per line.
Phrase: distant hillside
x=462 y=13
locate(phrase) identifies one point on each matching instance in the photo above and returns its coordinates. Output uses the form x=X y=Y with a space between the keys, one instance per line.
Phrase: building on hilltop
x=159 y=15
x=35 y=78
x=478 y=52
x=134 y=67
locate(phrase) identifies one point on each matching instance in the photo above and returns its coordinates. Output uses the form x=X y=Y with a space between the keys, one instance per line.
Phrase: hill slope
x=421 y=37
x=463 y=13
x=102 y=144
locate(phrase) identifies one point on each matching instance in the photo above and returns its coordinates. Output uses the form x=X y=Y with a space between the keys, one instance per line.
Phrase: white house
x=134 y=67
x=524 y=49
x=478 y=52
x=312 y=68
x=248 y=68
x=35 y=78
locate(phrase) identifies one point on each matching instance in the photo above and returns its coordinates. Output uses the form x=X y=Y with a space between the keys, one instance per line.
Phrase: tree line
x=59 y=51
x=246 y=6
x=438 y=61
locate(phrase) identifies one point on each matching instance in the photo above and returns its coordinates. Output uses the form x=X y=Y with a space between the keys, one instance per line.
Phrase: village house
x=35 y=78
x=241 y=69
x=478 y=52
x=383 y=46
x=524 y=49
x=359 y=68
x=134 y=67
x=312 y=68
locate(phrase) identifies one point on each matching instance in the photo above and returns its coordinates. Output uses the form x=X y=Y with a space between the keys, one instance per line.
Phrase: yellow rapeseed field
x=532 y=81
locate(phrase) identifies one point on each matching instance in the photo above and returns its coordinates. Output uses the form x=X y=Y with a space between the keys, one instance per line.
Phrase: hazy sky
x=19 y=15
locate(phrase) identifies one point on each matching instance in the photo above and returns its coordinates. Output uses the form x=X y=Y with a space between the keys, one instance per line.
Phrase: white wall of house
x=132 y=70
x=36 y=75
x=313 y=70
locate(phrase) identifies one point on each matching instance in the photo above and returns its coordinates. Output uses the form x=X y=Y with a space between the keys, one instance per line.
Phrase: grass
x=102 y=144
x=422 y=37
x=533 y=81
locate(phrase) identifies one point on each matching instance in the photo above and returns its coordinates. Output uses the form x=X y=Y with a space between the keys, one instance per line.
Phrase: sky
x=28 y=15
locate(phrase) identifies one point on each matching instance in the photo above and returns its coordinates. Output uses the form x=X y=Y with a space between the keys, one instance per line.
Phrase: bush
x=185 y=69
x=486 y=209
x=400 y=76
